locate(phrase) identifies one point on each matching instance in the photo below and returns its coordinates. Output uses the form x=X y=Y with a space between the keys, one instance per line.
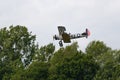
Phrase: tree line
x=22 y=59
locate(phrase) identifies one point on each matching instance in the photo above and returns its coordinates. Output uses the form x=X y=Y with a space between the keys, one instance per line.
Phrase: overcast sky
x=101 y=17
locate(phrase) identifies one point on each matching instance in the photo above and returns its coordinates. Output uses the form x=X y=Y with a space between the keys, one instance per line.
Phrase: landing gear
x=60 y=43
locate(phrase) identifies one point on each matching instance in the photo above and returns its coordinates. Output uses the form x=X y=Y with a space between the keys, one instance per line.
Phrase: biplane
x=66 y=37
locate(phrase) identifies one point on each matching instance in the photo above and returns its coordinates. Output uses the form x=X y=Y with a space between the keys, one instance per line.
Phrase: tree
x=36 y=71
x=59 y=56
x=17 y=49
x=97 y=48
x=79 y=67
x=70 y=64
x=45 y=53
x=109 y=66
x=107 y=59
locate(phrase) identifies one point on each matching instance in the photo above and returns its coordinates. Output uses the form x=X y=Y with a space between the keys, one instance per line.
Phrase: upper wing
x=61 y=29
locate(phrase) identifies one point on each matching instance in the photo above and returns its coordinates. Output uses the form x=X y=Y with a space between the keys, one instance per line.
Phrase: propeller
x=87 y=32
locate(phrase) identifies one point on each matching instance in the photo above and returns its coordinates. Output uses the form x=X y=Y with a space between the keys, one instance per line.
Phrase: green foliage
x=97 y=48
x=77 y=68
x=70 y=64
x=45 y=53
x=58 y=58
x=110 y=67
x=36 y=71
x=17 y=50
x=107 y=59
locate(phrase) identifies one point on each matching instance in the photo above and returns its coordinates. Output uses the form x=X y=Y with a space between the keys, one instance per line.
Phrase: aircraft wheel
x=60 y=43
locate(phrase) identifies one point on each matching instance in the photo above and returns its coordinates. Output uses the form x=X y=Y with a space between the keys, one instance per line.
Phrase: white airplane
x=67 y=37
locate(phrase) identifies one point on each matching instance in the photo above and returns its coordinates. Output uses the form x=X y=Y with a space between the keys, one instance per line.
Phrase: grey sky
x=101 y=17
